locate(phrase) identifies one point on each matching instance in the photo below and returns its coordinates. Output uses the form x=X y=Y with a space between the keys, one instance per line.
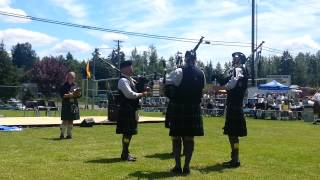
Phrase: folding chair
x=31 y=106
x=284 y=115
x=41 y=106
x=52 y=107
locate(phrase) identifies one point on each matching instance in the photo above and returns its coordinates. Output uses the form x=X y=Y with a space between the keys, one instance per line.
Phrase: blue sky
x=285 y=24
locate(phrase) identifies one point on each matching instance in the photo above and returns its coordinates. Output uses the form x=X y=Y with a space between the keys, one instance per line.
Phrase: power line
x=161 y=37
x=171 y=38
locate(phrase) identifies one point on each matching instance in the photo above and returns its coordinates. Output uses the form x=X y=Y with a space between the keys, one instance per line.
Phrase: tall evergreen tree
x=9 y=74
x=153 y=60
x=23 y=56
x=218 y=69
x=208 y=70
x=300 y=74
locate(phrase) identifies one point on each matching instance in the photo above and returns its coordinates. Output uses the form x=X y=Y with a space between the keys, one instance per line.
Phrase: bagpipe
x=141 y=81
x=223 y=78
x=114 y=98
x=76 y=92
x=169 y=89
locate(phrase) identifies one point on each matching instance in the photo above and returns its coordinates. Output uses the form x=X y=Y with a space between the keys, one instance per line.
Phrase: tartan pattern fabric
x=235 y=124
x=184 y=120
x=127 y=123
x=316 y=108
x=70 y=108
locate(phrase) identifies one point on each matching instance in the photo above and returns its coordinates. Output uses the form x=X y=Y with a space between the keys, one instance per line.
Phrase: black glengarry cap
x=125 y=64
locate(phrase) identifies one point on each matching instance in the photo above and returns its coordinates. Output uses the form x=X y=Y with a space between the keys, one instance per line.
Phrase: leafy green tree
x=286 y=64
x=171 y=63
x=72 y=65
x=144 y=60
x=153 y=60
x=208 y=71
x=312 y=65
x=218 y=70
x=137 y=61
x=23 y=56
x=300 y=73
x=227 y=66
x=9 y=74
x=114 y=57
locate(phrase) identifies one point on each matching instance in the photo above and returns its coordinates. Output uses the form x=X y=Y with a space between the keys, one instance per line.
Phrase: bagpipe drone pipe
x=114 y=100
x=169 y=89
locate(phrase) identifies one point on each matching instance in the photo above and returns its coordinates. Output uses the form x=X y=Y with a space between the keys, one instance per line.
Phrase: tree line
x=23 y=65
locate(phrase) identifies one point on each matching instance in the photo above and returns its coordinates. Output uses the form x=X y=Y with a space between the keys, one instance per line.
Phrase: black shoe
x=69 y=137
x=231 y=164
x=176 y=170
x=186 y=170
x=128 y=158
x=61 y=136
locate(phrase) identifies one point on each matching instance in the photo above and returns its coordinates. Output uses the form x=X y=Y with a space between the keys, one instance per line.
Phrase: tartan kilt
x=316 y=108
x=184 y=119
x=68 y=113
x=127 y=123
x=235 y=124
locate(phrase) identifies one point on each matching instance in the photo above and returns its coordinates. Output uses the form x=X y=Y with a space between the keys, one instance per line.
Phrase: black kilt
x=127 y=123
x=235 y=124
x=316 y=108
x=70 y=110
x=184 y=120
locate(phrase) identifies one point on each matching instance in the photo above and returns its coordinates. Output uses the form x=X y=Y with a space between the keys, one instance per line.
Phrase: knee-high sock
x=176 y=147
x=63 y=128
x=125 y=144
x=234 y=143
x=188 y=145
x=69 y=130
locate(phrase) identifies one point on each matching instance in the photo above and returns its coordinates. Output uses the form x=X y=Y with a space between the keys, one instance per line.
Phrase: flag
x=88 y=73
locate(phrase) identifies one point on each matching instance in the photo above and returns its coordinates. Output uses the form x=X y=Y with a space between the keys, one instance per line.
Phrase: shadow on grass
x=153 y=175
x=53 y=139
x=105 y=160
x=162 y=156
x=213 y=168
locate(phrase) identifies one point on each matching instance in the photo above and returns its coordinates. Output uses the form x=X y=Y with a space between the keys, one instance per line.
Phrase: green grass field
x=83 y=112
x=273 y=150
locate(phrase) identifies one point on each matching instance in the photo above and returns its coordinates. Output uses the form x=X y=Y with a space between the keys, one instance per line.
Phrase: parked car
x=8 y=107
x=16 y=104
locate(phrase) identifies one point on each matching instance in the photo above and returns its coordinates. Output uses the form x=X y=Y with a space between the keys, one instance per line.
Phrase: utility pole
x=252 y=42
x=118 y=54
x=96 y=55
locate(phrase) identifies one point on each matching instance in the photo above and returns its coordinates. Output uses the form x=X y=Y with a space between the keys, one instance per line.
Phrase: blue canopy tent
x=274 y=86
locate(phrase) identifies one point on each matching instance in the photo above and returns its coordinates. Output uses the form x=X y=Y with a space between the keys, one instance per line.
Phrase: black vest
x=123 y=100
x=192 y=84
x=235 y=96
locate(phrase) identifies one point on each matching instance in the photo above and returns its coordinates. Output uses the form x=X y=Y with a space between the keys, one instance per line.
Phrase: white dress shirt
x=234 y=79
x=175 y=77
x=316 y=97
x=125 y=88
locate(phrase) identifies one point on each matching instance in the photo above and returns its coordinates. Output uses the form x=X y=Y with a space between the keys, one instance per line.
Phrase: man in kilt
x=127 y=123
x=235 y=124
x=184 y=89
x=316 y=106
